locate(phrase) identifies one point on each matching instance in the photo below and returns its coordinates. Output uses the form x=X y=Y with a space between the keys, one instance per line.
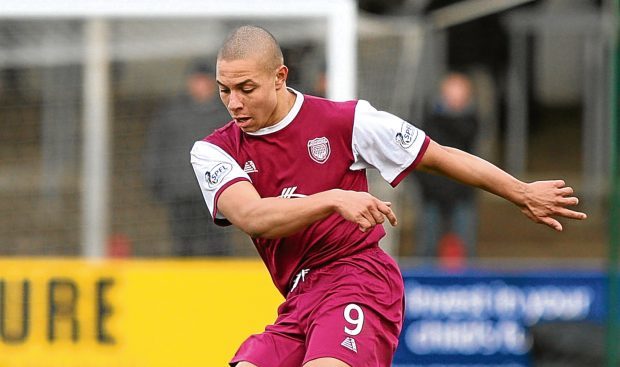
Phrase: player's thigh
x=245 y=364
x=353 y=332
x=326 y=362
x=359 y=312
x=270 y=349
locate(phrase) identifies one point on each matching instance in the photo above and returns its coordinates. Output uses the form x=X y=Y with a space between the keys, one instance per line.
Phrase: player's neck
x=286 y=100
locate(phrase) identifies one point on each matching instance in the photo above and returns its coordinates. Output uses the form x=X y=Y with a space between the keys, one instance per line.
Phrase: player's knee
x=245 y=364
x=326 y=362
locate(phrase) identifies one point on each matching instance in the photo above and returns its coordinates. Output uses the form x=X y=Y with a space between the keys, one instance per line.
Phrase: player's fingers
x=566 y=201
x=571 y=214
x=559 y=183
x=389 y=214
x=377 y=215
x=369 y=217
x=565 y=191
x=551 y=223
x=364 y=224
x=392 y=218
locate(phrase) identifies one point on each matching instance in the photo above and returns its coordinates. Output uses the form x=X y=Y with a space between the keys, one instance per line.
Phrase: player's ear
x=281 y=75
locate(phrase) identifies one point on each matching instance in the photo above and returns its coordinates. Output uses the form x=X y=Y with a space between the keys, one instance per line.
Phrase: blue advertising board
x=480 y=318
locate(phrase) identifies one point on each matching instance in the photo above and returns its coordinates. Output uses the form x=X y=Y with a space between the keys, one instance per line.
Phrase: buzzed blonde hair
x=250 y=40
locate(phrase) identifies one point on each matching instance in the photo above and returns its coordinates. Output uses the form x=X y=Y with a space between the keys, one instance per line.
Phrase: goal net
x=86 y=92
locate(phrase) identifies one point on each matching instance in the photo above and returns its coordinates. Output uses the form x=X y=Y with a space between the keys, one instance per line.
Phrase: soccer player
x=289 y=170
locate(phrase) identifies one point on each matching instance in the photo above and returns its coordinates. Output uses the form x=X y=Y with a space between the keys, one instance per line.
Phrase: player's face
x=249 y=92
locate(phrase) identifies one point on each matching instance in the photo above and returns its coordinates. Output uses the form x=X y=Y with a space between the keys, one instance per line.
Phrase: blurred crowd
x=160 y=105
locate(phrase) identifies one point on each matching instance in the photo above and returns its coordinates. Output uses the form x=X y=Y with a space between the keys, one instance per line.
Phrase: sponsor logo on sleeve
x=407 y=135
x=216 y=174
x=319 y=149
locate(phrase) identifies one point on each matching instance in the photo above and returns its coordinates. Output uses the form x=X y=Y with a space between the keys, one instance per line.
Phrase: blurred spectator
x=187 y=118
x=449 y=223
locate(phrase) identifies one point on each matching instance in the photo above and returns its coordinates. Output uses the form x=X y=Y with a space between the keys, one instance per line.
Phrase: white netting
x=41 y=143
x=43 y=102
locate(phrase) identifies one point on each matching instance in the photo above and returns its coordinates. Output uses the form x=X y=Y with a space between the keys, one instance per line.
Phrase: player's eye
x=224 y=91
x=247 y=90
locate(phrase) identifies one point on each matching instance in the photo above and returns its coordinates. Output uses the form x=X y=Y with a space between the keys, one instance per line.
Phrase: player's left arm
x=541 y=201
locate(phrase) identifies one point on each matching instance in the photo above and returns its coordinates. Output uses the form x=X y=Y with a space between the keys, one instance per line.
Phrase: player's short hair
x=250 y=40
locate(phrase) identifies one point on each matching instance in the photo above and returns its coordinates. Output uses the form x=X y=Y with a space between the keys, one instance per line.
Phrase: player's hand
x=545 y=200
x=363 y=209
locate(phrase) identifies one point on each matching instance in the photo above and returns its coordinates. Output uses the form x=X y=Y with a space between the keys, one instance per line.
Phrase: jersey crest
x=319 y=149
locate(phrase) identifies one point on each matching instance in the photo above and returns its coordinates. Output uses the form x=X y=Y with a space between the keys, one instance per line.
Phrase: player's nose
x=234 y=102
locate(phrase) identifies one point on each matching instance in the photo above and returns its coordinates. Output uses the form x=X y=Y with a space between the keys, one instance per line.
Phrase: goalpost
x=340 y=18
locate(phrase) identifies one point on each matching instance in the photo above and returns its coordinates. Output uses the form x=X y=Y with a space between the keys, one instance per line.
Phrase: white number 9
x=358 y=321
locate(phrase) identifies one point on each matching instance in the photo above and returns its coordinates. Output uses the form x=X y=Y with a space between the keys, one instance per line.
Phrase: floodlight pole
x=613 y=330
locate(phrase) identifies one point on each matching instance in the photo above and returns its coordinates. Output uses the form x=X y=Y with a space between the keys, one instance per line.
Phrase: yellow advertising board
x=130 y=313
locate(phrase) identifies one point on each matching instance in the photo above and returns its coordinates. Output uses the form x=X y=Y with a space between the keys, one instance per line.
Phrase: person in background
x=449 y=217
x=194 y=113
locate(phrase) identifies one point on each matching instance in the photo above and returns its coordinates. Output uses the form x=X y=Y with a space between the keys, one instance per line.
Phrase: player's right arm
x=279 y=217
x=231 y=197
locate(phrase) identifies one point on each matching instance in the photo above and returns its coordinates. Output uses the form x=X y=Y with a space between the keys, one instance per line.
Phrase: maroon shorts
x=351 y=310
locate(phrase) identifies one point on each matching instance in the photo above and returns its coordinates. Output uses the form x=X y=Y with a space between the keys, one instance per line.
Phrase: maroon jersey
x=320 y=145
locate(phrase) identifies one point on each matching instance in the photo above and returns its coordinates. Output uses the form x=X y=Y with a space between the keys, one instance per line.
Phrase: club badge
x=319 y=149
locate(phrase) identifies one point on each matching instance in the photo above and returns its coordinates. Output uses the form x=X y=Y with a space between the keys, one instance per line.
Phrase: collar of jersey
x=290 y=116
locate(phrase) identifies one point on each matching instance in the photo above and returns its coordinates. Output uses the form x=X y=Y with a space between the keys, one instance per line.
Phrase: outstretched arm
x=279 y=217
x=540 y=201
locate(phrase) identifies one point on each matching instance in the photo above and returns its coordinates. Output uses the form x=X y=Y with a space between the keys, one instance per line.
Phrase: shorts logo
x=319 y=149
x=215 y=175
x=407 y=135
x=349 y=343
